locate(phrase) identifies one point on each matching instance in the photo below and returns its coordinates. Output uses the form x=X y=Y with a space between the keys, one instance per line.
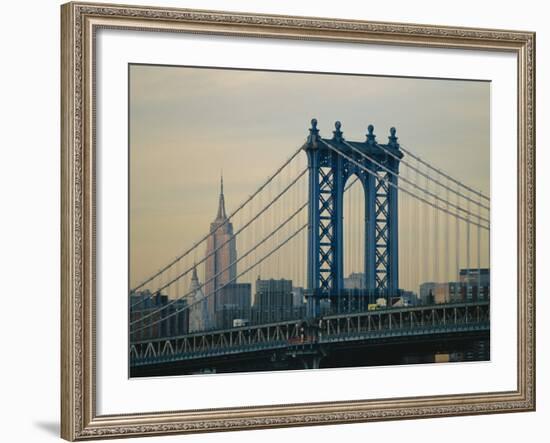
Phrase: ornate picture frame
x=80 y=22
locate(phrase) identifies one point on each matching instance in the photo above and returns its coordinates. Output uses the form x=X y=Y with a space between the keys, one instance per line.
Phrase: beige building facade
x=221 y=253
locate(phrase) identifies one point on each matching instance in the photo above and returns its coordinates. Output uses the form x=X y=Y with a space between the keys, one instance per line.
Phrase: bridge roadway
x=385 y=336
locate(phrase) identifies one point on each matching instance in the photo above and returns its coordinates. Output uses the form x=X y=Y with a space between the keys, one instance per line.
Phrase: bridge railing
x=359 y=300
x=349 y=301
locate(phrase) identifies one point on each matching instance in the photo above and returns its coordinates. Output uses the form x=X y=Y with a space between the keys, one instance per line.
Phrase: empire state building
x=221 y=253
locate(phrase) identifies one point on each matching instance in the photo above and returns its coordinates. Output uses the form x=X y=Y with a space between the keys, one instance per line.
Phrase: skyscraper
x=233 y=302
x=221 y=253
x=198 y=317
x=475 y=284
x=273 y=299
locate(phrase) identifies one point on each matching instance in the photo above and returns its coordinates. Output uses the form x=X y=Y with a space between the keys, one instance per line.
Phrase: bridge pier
x=311 y=362
x=308 y=355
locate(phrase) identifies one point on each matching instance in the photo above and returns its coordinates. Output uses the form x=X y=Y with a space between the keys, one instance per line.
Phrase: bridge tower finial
x=371 y=138
x=338 y=134
x=313 y=133
x=392 y=139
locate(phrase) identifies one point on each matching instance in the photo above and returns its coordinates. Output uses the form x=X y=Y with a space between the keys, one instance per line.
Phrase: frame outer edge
x=530 y=244
x=78 y=420
x=526 y=223
x=534 y=215
x=68 y=431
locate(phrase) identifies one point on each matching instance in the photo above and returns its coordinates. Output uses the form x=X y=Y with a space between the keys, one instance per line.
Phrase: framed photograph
x=282 y=221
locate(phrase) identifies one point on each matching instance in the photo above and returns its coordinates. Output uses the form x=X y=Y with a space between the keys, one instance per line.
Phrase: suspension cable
x=249 y=268
x=443 y=185
x=203 y=239
x=226 y=268
x=187 y=271
x=444 y=174
x=426 y=191
x=374 y=174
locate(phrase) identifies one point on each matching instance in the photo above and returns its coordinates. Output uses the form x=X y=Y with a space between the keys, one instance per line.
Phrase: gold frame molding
x=79 y=22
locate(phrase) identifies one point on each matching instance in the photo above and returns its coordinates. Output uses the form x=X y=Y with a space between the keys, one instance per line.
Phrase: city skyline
x=220 y=299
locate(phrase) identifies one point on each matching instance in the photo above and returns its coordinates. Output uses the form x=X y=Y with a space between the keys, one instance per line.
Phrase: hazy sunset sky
x=189 y=124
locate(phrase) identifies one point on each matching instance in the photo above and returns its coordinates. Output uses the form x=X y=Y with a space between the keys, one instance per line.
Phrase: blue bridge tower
x=331 y=163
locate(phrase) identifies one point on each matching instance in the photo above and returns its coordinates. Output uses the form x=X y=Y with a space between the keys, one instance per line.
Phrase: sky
x=187 y=125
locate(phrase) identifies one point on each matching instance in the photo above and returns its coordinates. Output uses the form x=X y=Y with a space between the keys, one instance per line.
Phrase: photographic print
x=301 y=221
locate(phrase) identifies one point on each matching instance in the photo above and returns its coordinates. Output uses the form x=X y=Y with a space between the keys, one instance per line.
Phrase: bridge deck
x=352 y=328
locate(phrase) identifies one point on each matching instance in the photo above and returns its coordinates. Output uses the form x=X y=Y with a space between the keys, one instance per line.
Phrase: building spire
x=195 y=284
x=221 y=205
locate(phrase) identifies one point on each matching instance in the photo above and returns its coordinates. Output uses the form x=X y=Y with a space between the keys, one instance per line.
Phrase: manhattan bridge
x=362 y=253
